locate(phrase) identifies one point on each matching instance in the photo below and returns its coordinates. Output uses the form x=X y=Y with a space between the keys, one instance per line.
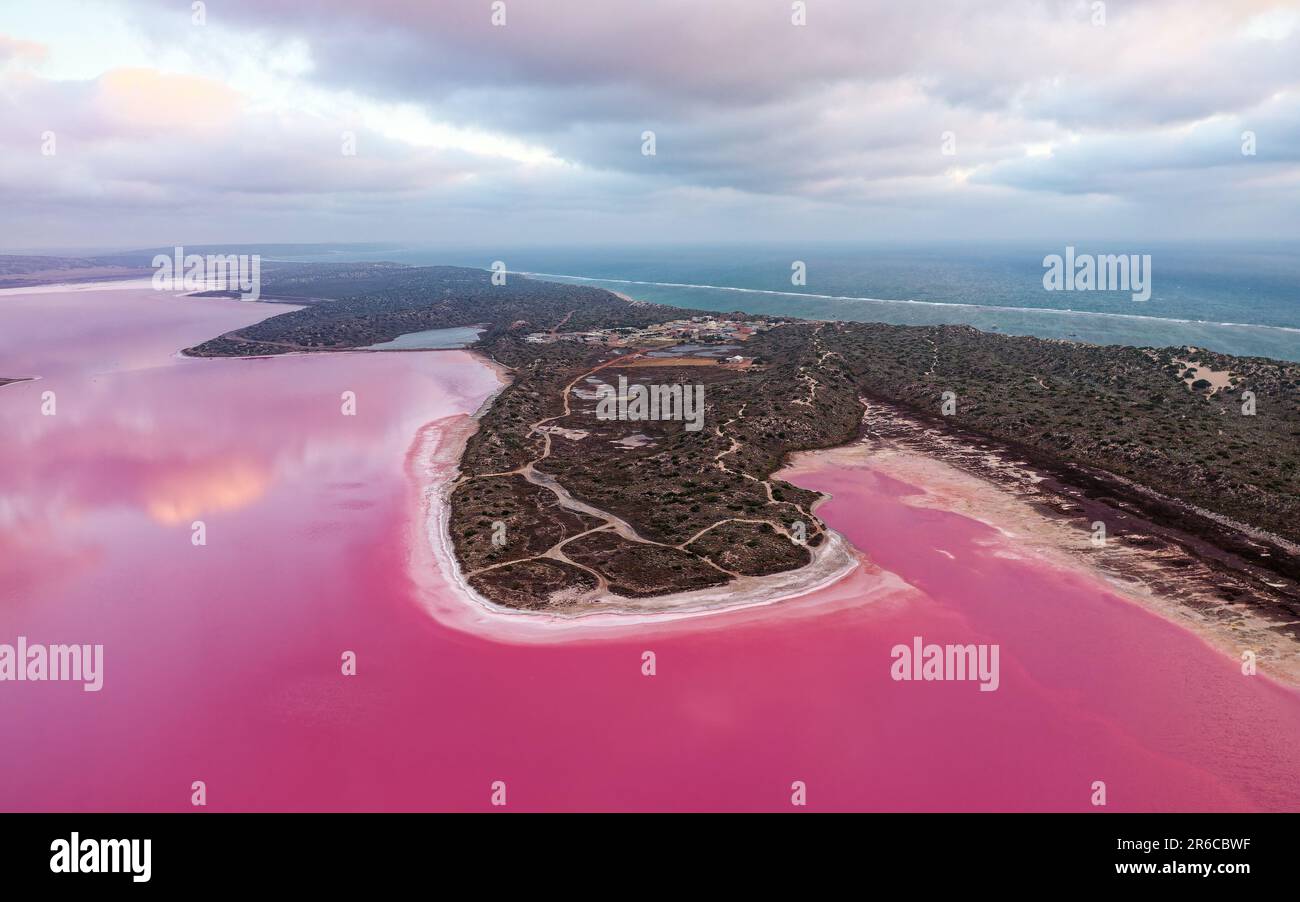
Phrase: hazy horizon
x=268 y=247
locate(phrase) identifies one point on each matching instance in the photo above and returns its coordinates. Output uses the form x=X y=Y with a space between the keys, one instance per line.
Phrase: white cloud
x=818 y=129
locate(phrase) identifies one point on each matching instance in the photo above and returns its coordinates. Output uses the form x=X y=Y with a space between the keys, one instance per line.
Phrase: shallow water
x=222 y=661
x=1093 y=687
x=431 y=340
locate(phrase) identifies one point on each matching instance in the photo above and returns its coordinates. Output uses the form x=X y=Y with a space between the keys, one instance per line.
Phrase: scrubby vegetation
x=663 y=508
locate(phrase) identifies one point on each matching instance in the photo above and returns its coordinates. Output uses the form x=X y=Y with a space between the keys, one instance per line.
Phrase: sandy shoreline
x=433 y=465
x=1056 y=543
x=839 y=574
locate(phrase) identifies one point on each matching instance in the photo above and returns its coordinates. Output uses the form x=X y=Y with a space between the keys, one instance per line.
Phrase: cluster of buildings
x=708 y=329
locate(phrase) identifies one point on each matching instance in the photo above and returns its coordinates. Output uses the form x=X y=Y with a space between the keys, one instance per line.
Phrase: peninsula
x=1187 y=456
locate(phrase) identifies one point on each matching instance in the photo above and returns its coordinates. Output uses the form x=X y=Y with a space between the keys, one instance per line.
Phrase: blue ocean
x=1239 y=299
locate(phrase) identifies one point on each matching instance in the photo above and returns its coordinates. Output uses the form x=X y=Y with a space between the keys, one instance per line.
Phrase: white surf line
x=842 y=297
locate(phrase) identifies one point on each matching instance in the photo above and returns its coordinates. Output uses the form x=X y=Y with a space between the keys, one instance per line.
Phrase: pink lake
x=222 y=662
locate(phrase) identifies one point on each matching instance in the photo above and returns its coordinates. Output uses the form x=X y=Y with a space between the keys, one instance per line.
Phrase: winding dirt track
x=613 y=522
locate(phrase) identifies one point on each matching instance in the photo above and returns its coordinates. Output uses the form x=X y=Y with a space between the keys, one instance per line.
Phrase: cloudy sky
x=153 y=122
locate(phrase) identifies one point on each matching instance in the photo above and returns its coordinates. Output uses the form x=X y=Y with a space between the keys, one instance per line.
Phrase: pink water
x=222 y=662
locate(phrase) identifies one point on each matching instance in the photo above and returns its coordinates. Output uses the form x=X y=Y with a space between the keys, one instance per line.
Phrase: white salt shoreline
x=1063 y=546
x=433 y=465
